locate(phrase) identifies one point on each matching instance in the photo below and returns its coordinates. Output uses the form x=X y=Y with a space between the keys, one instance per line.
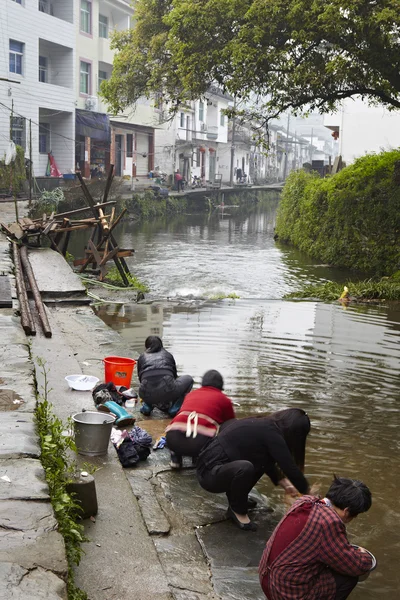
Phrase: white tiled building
x=125 y=140
x=37 y=71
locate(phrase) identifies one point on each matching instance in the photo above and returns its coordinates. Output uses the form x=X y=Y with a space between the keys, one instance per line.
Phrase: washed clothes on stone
x=308 y=566
x=198 y=420
x=242 y=452
x=159 y=384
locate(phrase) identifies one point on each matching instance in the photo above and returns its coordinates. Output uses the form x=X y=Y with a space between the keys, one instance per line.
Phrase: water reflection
x=341 y=365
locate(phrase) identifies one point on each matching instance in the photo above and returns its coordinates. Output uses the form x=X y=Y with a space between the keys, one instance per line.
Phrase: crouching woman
x=308 y=556
x=199 y=418
x=160 y=385
x=246 y=449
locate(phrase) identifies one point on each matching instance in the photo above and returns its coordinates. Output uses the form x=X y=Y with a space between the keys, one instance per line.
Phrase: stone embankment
x=157 y=533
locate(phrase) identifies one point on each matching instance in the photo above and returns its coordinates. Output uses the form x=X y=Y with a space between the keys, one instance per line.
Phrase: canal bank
x=338 y=363
x=157 y=534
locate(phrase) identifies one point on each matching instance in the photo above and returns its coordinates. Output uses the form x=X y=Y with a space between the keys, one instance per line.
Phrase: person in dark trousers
x=159 y=382
x=198 y=419
x=308 y=556
x=179 y=181
x=245 y=449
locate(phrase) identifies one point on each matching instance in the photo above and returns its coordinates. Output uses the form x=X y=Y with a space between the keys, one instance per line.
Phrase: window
x=129 y=145
x=182 y=120
x=45 y=7
x=86 y=16
x=16 y=55
x=222 y=119
x=84 y=86
x=201 y=111
x=18 y=131
x=44 y=138
x=43 y=69
x=102 y=77
x=103 y=26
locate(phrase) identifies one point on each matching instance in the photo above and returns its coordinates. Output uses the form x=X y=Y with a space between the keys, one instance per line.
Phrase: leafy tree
x=281 y=53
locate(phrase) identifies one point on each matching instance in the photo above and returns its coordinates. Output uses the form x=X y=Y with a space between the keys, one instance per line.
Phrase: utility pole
x=311 y=145
x=12 y=186
x=233 y=143
x=30 y=162
x=286 y=148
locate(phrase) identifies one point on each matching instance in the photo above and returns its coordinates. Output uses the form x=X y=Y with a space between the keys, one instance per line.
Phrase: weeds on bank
x=222 y=296
x=113 y=276
x=387 y=288
x=55 y=451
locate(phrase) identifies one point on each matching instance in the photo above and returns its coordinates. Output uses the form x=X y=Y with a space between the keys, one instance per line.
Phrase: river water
x=339 y=364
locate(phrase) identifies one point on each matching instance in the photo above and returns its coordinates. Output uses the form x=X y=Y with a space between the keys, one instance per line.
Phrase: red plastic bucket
x=119 y=369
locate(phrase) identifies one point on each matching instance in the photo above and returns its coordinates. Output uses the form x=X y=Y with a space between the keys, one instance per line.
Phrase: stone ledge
x=17 y=583
x=29 y=536
x=27 y=480
x=18 y=436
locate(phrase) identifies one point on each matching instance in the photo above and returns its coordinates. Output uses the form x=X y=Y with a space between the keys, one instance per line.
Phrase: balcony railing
x=212 y=132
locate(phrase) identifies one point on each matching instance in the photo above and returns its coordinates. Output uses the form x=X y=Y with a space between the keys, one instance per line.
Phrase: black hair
x=351 y=494
x=153 y=344
x=213 y=378
x=294 y=424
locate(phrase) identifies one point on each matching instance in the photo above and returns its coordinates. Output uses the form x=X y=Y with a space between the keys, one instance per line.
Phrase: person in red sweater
x=198 y=419
x=308 y=556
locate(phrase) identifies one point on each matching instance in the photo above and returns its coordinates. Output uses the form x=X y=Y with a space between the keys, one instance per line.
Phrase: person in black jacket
x=159 y=382
x=247 y=448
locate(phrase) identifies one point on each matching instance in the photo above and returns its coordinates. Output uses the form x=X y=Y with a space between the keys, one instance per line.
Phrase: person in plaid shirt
x=308 y=556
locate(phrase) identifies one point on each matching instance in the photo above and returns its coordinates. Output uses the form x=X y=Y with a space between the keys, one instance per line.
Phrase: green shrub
x=351 y=219
x=14 y=174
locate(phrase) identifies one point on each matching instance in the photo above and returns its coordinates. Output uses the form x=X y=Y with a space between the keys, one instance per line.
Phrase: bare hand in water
x=288 y=487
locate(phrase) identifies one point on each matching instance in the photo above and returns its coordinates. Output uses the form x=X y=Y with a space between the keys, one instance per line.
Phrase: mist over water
x=339 y=364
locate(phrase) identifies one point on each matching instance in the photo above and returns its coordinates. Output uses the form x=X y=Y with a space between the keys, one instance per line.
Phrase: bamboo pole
x=35 y=291
x=26 y=315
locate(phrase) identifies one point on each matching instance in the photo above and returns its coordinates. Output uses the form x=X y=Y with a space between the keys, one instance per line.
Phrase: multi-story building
x=195 y=140
x=125 y=140
x=37 y=73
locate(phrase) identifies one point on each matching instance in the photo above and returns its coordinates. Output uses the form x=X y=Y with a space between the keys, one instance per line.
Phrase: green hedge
x=351 y=219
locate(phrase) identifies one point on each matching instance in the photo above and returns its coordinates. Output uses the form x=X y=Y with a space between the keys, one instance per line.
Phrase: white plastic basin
x=82 y=383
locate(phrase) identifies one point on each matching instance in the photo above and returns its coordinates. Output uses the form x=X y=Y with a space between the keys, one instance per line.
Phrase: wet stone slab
x=29 y=536
x=154 y=517
x=17 y=583
x=184 y=563
x=194 y=505
x=53 y=274
x=18 y=436
x=16 y=369
x=234 y=555
x=186 y=595
x=27 y=480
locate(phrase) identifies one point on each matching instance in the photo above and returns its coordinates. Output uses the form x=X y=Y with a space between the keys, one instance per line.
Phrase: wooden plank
x=35 y=291
x=16 y=230
x=109 y=181
x=49 y=226
x=24 y=308
x=97 y=256
x=77 y=210
x=5 y=292
x=121 y=254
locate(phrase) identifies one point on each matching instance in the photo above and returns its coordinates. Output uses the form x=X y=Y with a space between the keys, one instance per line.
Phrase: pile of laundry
x=134 y=445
